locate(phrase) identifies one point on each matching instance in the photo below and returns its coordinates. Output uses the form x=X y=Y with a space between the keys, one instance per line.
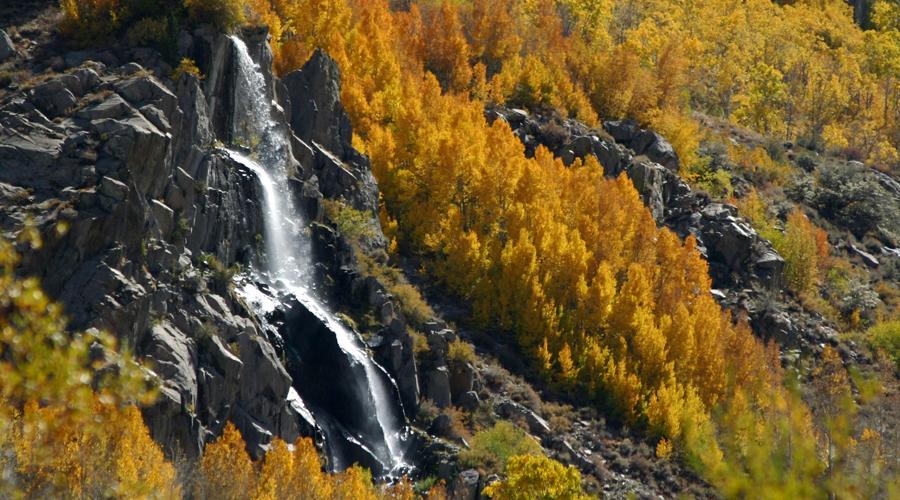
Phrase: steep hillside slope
x=258 y=206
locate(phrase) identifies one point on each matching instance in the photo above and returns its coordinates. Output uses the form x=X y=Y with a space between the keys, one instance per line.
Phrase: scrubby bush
x=355 y=224
x=223 y=14
x=490 y=449
x=412 y=304
x=460 y=352
x=859 y=298
x=458 y=423
x=221 y=274
x=851 y=196
x=419 y=342
x=187 y=66
x=759 y=166
x=886 y=336
x=426 y=412
x=148 y=31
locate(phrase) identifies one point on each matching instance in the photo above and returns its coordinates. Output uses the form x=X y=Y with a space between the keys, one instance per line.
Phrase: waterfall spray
x=288 y=263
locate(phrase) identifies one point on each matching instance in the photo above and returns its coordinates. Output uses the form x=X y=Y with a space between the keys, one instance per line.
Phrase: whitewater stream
x=288 y=268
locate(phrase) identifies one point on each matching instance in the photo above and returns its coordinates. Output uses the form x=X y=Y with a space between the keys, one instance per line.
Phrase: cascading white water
x=288 y=248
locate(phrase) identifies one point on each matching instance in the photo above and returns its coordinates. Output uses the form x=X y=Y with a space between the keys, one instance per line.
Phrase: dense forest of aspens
x=604 y=304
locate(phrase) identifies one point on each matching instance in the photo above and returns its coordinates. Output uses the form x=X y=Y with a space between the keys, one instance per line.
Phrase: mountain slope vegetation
x=570 y=264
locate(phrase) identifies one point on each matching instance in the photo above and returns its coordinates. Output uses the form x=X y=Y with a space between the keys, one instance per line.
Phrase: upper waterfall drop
x=288 y=268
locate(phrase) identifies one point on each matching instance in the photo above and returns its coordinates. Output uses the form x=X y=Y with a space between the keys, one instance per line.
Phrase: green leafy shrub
x=491 y=449
x=710 y=171
x=423 y=486
x=886 y=336
x=355 y=224
x=718 y=184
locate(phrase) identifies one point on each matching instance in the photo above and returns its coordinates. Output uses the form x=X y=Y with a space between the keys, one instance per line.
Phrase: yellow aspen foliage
x=852 y=459
x=447 y=50
x=306 y=476
x=536 y=476
x=286 y=472
x=601 y=297
x=778 y=453
x=83 y=438
x=275 y=479
x=664 y=449
x=544 y=358
x=118 y=460
x=492 y=30
x=800 y=248
x=762 y=103
x=753 y=208
x=90 y=20
x=567 y=368
x=355 y=483
x=140 y=467
x=226 y=471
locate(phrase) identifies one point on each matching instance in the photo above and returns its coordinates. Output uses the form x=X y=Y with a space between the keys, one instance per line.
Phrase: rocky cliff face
x=746 y=271
x=146 y=220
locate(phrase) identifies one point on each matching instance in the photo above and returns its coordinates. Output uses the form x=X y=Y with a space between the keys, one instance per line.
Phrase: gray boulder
x=469 y=401
x=462 y=379
x=53 y=98
x=867 y=258
x=536 y=424
x=727 y=238
x=623 y=131
x=7 y=48
x=466 y=485
x=437 y=386
x=113 y=107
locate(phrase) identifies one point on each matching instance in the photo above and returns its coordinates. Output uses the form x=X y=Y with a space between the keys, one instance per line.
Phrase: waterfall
x=288 y=267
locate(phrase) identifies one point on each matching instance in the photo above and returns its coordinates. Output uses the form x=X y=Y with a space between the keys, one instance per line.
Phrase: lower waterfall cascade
x=287 y=268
